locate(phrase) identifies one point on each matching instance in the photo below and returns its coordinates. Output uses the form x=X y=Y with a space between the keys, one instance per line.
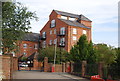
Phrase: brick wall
x=29 y=50
x=7 y=66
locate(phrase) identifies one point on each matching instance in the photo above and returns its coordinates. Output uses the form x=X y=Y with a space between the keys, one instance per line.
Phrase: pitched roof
x=31 y=57
x=31 y=37
x=80 y=17
x=74 y=23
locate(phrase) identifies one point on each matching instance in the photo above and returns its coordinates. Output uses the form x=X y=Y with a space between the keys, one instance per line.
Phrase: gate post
x=100 y=69
x=84 y=63
x=63 y=67
x=45 y=64
x=71 y=67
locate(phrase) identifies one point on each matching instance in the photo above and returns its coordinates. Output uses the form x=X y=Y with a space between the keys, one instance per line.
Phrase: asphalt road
x=45 y=76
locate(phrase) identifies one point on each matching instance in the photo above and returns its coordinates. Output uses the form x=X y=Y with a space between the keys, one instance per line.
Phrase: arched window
x=53 y=23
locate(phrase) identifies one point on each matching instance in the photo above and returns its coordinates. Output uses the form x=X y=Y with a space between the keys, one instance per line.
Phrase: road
x=46 y=75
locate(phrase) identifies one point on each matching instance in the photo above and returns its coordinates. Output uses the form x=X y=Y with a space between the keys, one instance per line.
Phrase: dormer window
x=52 y=23
x=72 y=19
x=84 y=32
x=63 y=17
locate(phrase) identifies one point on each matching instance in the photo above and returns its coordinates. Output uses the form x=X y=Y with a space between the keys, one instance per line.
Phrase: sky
x=103 y=13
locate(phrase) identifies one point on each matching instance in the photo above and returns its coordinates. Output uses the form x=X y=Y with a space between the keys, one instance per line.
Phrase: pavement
x=46 y=75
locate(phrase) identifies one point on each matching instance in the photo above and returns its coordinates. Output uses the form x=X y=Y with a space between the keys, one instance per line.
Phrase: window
x=74 y=31
x=55 y=41
x=44 y=44
x=50 y=32
x=24 y=53
x=74 y=38
x=24 y=45
x=72 y=19
x=52 y=23
x=64 y=17
x=84 y=32
x=50 y=42
x=62 y=42
x=36 y=46
x=54 y=31
x=44 y=34
x=62 y=31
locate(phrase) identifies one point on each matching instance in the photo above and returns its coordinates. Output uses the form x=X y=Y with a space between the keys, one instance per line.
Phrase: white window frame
x=64 y=17
x=55 y=41
x=74 y=38
x=24 y=45
x=72 y=19
x=50 y=42
x=52 y=23
x=74 y=31
x=54 y=31
x=24 y=53
x=62 y=41
x=62 y=31
x=50 y=32
x=44 y=44
x=36 y=46
x=84 y=32
x=44 y=34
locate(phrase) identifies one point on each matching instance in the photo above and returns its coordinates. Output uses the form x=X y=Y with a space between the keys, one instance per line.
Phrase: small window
x=55 y=41
x=54 y=31
x=50 y=42
x=62 y=40
x=36 y=46
x=74 y=38
x=24 y=53
x=84 y=32
x=63 y=17
x=74 y=31
x=24 y=45
x=50 y=32
x=44 y=44
x=52 y=23
x=44 y=34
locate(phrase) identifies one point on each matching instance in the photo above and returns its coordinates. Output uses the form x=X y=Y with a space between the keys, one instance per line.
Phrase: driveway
x=46 y=75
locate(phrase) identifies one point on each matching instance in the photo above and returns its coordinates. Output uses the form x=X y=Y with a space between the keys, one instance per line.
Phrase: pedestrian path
x=46 y=75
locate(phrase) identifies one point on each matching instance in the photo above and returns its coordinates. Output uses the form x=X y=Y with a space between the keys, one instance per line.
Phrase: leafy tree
x=83 y=47
x=91 y=53
x=105 y=54
x=15 y=22
x=79 y=52
x=49 y=52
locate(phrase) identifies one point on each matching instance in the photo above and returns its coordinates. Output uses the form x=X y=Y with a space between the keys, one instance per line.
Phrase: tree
x=91 y=53
x=49 y=52
x=79 y=52
x=105 y=54
x=15 y=22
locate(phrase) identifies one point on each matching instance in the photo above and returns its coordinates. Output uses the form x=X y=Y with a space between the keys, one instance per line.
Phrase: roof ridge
x=66 y=12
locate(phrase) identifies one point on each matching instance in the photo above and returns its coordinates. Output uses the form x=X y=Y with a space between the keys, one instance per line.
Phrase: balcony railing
x=62 y=44
x=61 y=33
x=43 y=38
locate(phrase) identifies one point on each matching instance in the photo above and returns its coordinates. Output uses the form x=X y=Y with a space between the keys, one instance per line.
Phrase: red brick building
x=64 y=29
x=29 y=45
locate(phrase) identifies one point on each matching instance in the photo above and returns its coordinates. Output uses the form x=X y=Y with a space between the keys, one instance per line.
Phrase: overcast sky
x=103 y=13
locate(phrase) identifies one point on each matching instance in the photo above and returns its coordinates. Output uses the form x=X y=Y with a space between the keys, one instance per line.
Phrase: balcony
x=43 y=38
x=61 y=33
x=62 y=44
